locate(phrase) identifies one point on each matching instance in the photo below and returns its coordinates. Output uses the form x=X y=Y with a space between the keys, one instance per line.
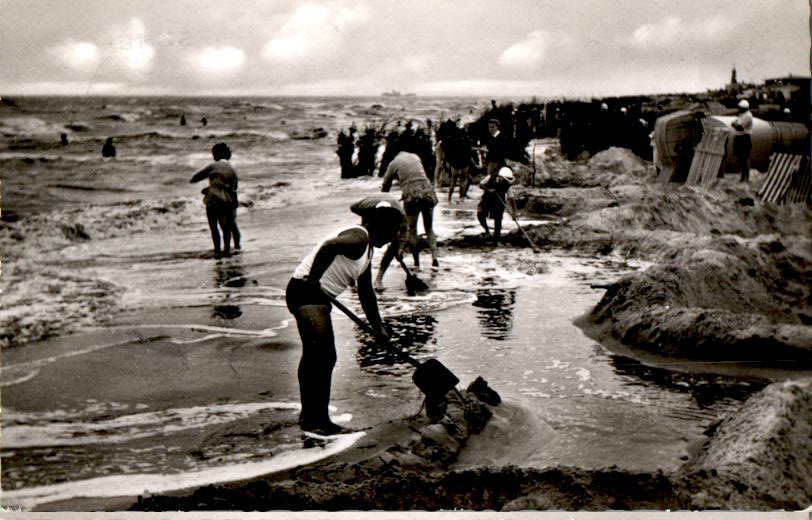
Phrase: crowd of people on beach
x=420 y=160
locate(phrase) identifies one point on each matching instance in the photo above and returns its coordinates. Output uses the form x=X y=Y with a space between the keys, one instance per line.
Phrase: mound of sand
x=761 y=457
x=757 y=459
x=732 y=277
x=724 y=298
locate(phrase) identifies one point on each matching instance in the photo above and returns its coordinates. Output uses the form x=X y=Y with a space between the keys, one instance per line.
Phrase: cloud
x=526 y=53
x=78 y=55
x=217 y=61
x=313 y=30
x=131 y=49
x=674 y=32
x=126 y=50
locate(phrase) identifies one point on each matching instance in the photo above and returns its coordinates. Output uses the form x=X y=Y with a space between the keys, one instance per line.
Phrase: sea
x=134 y=362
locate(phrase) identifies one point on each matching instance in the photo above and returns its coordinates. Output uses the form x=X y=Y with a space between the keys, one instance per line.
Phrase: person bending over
x=340 y=260
x=418 y=197
x=495 y=187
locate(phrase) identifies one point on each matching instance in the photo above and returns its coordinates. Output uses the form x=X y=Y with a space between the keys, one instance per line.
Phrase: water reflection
x=228 y=273
x=411 y=333
x=495 y=309
x=706 y=389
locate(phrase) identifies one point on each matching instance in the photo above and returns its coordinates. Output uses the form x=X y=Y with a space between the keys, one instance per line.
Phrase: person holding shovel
x=418 y=196
x=495 y=187
x=339 y=261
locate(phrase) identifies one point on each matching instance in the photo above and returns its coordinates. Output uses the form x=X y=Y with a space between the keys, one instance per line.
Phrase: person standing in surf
x=339 y=261
x=220 y=199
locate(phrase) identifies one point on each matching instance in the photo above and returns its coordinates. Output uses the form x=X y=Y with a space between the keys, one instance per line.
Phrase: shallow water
x=193 y=375
x=191 y=392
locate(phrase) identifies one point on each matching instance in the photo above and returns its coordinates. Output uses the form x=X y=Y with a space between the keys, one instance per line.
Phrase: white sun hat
x=506 y=173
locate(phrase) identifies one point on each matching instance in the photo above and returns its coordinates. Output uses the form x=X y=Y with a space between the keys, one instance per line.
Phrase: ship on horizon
x=395 y=93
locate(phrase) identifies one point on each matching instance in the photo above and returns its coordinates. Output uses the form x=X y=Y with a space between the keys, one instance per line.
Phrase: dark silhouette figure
x=108 y=150
x=425 y=150
x=459 y=155
x=367 y=150
x=389 y=152
x=183 y=120
x=63 y=138
x=204 y=121
x=346 y=147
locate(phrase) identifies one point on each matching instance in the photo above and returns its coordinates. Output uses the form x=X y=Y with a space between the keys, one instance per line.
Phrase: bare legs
x=220 y=217
x=428 y=217
x=482 y=216
x=316 y=365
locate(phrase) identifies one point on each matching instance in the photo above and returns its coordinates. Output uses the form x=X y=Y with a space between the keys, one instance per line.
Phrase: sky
x=508 y=48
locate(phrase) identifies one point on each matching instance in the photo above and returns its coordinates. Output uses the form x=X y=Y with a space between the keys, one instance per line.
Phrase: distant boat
x=395 y=93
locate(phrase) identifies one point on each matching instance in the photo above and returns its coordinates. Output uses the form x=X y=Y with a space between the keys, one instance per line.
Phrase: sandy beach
x=743 y=463
x=654 y=325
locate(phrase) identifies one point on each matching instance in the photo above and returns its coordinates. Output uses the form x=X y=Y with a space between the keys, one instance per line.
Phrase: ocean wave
x=274 y=135
x=127 y=117
x=30 y=127
x=87 y=187
x=38 y=156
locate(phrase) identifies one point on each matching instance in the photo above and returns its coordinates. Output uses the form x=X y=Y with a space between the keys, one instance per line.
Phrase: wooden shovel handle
x=364 y=325
x=532 y=244
x=403 y=264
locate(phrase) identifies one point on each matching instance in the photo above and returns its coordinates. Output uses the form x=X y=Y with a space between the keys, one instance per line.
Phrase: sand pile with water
x=731 y=278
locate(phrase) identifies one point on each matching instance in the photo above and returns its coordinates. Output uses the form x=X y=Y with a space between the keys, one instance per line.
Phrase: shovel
x=413 y=283
x=431 y=376
x=532 y=244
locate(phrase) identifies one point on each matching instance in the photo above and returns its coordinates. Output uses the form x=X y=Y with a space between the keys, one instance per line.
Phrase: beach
x=140 y=372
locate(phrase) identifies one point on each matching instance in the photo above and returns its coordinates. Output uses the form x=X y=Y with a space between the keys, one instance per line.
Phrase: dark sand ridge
x=730 y=282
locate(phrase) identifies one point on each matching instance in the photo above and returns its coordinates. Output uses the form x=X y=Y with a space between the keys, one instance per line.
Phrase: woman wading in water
x=220 y=198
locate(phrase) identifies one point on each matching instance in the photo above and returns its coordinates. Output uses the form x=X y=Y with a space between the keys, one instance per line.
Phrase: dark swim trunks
x=299 y=293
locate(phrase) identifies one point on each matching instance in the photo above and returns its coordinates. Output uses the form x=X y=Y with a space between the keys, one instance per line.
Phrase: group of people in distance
x=343 y=259
x=365 y=147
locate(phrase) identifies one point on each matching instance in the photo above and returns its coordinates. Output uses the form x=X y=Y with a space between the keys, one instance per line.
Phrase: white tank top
x=342 y=271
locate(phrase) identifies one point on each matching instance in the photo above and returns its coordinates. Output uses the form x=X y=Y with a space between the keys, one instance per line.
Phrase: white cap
x=744 y=104
x=506 y=173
